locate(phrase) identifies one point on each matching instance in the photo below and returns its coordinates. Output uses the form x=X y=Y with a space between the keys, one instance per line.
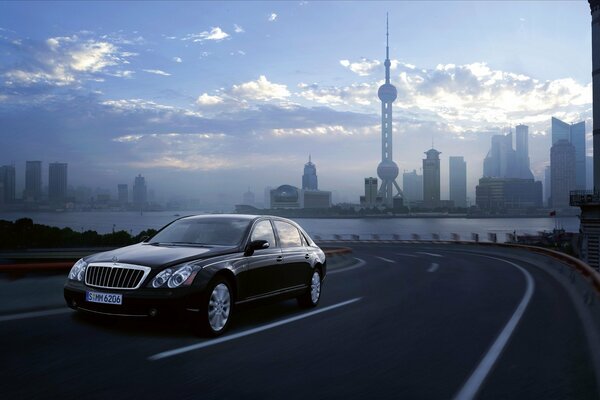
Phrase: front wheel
x=216 y=310
x=311 y=298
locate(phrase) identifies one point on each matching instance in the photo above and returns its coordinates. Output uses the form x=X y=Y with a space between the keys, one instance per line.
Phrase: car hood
x=158 y=256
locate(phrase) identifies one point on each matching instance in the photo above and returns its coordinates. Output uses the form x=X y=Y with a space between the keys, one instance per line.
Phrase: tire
x=312 y=296
x=216 y=310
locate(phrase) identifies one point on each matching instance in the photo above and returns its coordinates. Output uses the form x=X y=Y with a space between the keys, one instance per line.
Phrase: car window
x=264 y=231
x=288 y=234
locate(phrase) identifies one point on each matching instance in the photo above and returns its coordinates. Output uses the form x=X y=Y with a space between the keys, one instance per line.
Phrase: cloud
x=157 y=72
x=65 y=60
x=238 y=29
x=364 y=67
x=178 y=59
x=260 y=89
x=207 y=100
x=273 y=17
x=215 y=34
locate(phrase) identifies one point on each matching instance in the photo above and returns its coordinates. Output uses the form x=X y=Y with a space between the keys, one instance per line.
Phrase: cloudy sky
x=207 y=99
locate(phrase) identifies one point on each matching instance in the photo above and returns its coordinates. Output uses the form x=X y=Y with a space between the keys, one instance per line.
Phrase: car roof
x=248 y=217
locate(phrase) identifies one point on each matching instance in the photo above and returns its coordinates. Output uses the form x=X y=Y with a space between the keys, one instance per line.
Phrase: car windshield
x=203 y=232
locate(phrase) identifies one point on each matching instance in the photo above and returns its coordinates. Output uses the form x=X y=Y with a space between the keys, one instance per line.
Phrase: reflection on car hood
x=158 y=256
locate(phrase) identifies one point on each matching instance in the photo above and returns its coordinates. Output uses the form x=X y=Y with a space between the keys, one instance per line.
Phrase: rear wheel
x=216 y=310
x=311 y=298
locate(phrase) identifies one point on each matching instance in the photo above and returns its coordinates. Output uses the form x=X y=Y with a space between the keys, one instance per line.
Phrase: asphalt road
x=409 y=322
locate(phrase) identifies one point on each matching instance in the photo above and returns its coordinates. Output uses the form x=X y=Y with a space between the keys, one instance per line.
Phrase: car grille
x=112 y=276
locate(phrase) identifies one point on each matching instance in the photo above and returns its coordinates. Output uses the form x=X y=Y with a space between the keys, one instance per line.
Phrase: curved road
x=409 y=322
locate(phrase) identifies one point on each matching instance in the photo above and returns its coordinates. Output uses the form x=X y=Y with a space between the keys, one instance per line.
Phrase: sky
x=208 y=99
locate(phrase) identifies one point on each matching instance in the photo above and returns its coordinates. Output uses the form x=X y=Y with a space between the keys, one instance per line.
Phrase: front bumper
x=142 y=302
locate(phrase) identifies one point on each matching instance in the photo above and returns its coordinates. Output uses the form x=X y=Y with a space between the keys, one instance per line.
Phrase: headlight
x=78 y=271
x=160 y=279
x=181 y=275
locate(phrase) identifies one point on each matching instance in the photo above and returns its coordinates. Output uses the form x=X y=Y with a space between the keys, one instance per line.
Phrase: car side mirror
x=255 y=245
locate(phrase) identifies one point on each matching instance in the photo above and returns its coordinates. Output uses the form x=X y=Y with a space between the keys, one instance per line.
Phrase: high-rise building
x=458 y=181
x=140 y=192
x=33 y=181
x=522 y=152
x=431 y=178
x=562 y=163
x=574 y=134
x=589 y=173
x=387 y=170
x=309 y=179
x=248 y=198
x=57 y=182
x=371 y=197
x=548 y=185
x=500 y=162
x=496 y=194
x=123 y=192
x=8 y=179
x=412 y=187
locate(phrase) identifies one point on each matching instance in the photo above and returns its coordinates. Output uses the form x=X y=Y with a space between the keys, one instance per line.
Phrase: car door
x=295 y=270
x=261 y=275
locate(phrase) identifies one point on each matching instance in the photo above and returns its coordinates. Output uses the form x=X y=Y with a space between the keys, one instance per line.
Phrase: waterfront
x=134 y=222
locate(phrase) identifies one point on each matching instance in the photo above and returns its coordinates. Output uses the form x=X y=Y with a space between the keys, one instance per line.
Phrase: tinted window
x=264 y=231
x=288 y=234
x=224 y=232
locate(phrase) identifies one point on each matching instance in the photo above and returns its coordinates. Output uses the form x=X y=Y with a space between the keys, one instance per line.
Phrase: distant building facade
x=123 y=194
x=248 y=198
x=431 y=178
x=371 y=198
x=33 y=181
x=57 y=182
x=563 y=173
x=547 y=185
x=574 y=134
x=412 y=187
x=290 y=197
x=458 y=181
x=309 y=178
x=140 y=192
x=497 y=194
x=8 y=181
x=522 y=152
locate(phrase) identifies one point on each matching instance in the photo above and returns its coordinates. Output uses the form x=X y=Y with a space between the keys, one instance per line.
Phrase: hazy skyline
x=209 y=98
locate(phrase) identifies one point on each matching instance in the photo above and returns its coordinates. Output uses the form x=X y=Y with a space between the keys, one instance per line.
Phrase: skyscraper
x=500 y=161
x=562 y=163
x=33 y=181
x=574 y=134
x=548 y=185
x=387 y=170
x=458 y=181
x=522 y=152
x=248 y=198
x=57 y=182
x=7 y=178
x=309 y=179
x=431 y=178
x=123 y=191
x=370 y=199
x=412 y=187
x=140 y=192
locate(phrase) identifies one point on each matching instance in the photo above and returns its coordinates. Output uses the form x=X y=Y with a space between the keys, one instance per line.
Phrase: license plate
x=104 y=298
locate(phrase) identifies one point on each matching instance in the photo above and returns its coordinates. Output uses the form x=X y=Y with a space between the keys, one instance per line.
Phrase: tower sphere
x=387 y=93
x=387 y=170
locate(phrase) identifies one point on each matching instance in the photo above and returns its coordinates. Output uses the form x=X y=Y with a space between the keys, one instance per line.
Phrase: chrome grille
x=115 y=276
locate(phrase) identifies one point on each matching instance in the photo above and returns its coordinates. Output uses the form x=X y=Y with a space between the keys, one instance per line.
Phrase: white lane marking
x=407 y=255
x=361 y=263
x=208 y=343
x=433 y=267
x=474 y=383
x=430 y=254
x=34 y=314
x=385 y=259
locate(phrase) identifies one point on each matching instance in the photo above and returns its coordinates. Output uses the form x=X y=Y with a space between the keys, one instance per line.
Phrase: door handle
x=307 y=256
x=279 y=258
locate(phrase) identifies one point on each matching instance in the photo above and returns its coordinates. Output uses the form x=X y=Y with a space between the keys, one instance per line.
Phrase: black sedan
x=201 y=266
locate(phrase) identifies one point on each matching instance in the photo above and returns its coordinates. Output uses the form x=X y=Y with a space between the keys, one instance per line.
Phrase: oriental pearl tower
x=387 y=170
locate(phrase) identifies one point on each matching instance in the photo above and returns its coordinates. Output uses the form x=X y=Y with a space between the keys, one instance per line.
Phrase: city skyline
x=150 y=102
